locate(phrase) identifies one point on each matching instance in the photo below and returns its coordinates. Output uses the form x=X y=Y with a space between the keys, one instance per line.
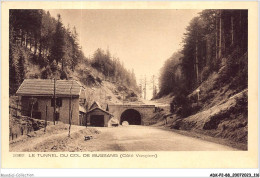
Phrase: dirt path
x=123 y=138
x=55 y=139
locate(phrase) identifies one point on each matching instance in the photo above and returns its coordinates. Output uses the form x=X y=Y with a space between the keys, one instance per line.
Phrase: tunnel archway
x=132 y=116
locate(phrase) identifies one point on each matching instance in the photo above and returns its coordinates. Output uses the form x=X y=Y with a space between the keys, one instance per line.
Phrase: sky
x=142 y=39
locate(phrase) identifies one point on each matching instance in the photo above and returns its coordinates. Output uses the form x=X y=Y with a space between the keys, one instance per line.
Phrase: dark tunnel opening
x=132 y=116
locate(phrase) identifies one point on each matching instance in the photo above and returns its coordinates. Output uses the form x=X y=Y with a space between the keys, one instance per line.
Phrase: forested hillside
x=208 y=78
x=171 y=75
x=213 y=39
x=214 y=35
x=43 y=47
x=113 y=69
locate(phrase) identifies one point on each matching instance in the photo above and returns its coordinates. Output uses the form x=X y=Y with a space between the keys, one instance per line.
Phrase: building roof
x=95 y=105
x=45 y=87
x=82 y=109
x=99 y=109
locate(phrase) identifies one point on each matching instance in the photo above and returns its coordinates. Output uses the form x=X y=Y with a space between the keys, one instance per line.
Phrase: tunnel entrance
x=132 y=116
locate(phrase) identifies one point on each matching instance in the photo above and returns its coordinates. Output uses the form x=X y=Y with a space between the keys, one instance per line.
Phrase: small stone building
x=42 y=92
x=98 y=117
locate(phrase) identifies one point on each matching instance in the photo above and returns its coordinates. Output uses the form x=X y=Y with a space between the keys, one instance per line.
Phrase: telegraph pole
x=70 y=109
x=46 y=115
x=123 y=98
x=145 y=87
x=54 y=111
x=141 y=86
x=153 y=86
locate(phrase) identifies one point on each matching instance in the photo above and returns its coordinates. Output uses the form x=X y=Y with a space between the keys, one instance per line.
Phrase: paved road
x=143 y=138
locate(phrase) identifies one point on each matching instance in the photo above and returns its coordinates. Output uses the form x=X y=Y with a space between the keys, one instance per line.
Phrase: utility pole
x=145 y=87
x=31 y=107
x=54 y=98
x=100 y=94
x=123 y=98
x=153 y=86
x=32 y=102
x=105 y=96
x=71 y=119
x=141 y=87
x=17 y=106
x=46 y=115
x=70 y=109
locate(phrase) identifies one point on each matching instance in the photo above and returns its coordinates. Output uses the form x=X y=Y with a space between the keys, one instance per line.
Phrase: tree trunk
x=62 y=64
x=40 y=49
x=216 y=29
x=35 y=47
x=208 y=50
x=197 y=62
x=232 y=30
x=43 y=52
x=22 y=38
x=30 y=44
x=26 y=39
x=17 y=105
x=220 y=35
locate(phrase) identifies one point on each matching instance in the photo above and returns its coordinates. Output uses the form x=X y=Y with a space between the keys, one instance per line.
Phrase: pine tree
x=57 y=51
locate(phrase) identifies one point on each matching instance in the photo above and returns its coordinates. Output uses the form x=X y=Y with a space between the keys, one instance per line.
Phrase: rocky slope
x=221 y=112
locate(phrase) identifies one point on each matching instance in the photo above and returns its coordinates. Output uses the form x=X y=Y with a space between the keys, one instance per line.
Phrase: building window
x=58 y=102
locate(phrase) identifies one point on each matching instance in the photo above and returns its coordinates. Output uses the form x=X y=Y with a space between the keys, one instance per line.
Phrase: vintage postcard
x=129 y=85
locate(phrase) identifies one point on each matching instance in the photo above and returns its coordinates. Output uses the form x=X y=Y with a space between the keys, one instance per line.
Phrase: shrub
x=121 y=88
x=90 y=80
x=63 y=75
x=242 y=104
x=46 y=73
x=181 y=105
x=109 y=97
x=133 y=99
x=99 y=80
x=54 y=66
x=205 y=73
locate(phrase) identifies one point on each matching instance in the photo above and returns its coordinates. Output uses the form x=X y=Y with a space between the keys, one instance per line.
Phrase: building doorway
x=97 y=120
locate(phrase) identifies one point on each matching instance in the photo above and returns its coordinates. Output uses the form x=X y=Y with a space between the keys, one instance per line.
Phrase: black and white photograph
x=83 y=80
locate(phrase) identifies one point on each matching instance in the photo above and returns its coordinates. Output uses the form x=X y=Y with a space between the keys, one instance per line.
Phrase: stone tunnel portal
x=132 y=116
